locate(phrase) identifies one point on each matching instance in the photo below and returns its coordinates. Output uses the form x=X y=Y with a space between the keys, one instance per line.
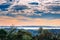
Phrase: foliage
x=43 y=34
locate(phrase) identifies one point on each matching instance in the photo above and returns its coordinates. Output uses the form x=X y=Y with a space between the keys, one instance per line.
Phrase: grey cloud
x=19 y=7
x=34 y=3
x=34 y=14
x=54 y=8
x=4 y=6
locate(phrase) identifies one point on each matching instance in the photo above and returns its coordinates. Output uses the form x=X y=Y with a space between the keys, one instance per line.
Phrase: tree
x=44 y=34
x=3 y=34
x=23 y=35
x=11 y=34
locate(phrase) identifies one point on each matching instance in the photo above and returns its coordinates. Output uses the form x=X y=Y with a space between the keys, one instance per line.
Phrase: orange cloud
x=6 y=21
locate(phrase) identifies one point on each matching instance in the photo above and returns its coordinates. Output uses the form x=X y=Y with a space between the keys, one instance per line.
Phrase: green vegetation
x=25 y=35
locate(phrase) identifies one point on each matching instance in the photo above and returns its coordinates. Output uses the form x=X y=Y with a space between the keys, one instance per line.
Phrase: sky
x=30 y=12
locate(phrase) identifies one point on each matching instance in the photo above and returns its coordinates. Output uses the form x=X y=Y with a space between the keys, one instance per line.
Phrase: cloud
x=51 y=6
x=46 y=11
x=38 y=12
x=9 y=0
x=4 y=6
x=19 y=7
x=43 y=15
x=54 y=8
x=32 y=22
x=26 y=12
x=2 y=1
x=51 y=16
x=34 y=3
x=11 y=15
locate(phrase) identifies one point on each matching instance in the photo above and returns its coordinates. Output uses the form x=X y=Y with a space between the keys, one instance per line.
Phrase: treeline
x=25 y=35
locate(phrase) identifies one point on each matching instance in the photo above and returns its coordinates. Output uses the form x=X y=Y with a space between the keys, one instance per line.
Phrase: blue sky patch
x=4 y=6
x=11 y=15
x=34 y=3
x=45 y=15
x=38 y=12
x=54 y=8
x=20 y=7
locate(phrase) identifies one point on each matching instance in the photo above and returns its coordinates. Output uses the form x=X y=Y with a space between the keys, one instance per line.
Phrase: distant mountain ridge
x=31 y=27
